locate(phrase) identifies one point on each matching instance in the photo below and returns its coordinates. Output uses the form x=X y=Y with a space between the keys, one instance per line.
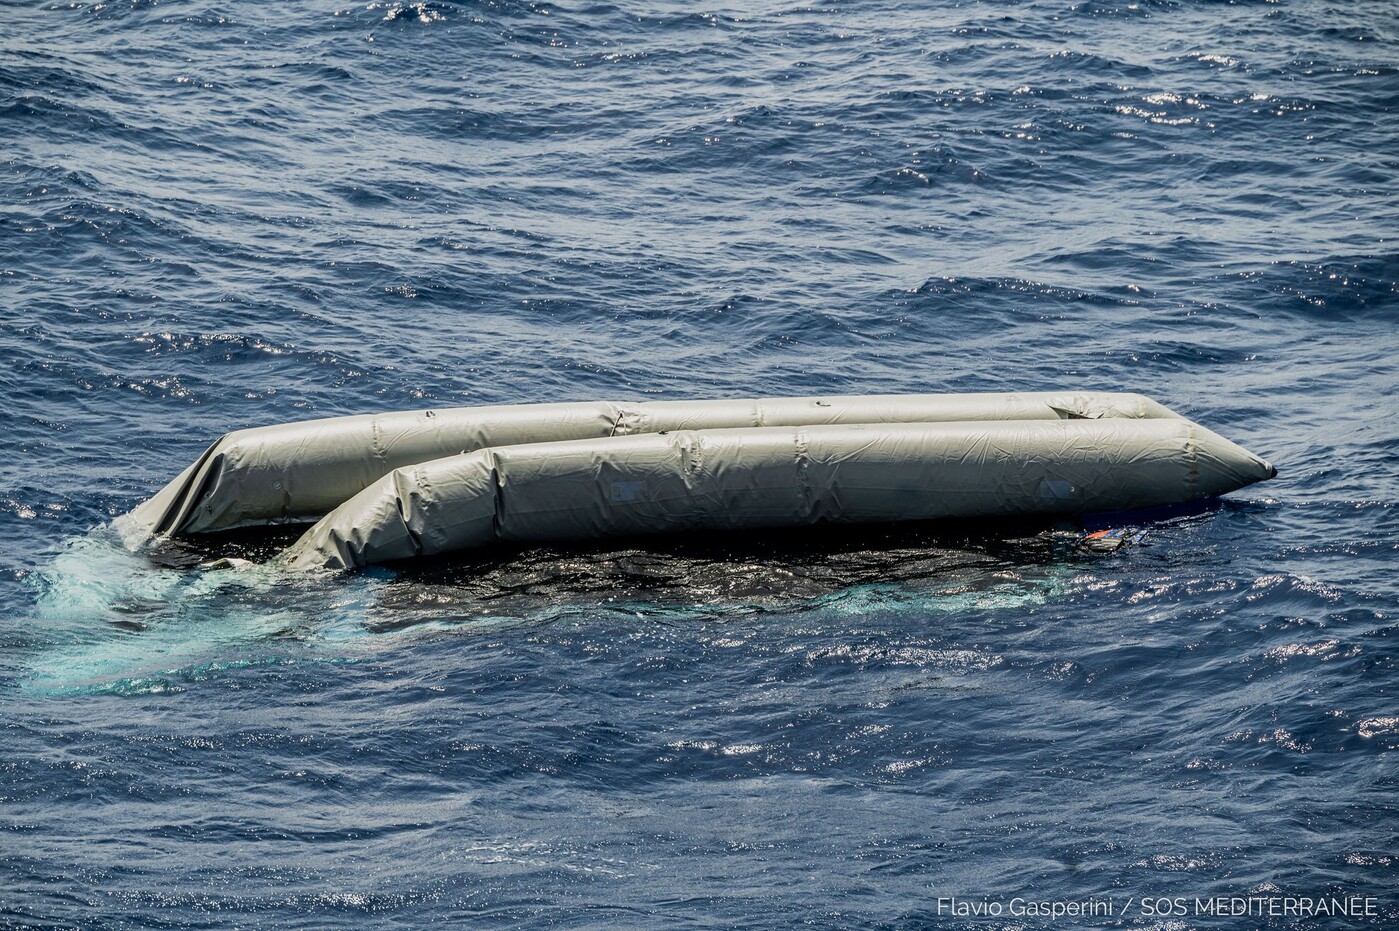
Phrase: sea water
x=221 y=215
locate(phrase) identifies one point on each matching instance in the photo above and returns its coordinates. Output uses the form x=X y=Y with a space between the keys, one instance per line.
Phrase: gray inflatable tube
x=767 y=477
x=389 y=487
x=300 y=471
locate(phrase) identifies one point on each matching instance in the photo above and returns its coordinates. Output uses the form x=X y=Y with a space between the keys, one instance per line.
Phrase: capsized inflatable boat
x=394 y=486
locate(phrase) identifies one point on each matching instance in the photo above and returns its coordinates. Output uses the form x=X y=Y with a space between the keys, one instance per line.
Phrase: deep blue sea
x=216 y=215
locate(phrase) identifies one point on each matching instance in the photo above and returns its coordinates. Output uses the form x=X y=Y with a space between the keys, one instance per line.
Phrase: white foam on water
x=107 y=620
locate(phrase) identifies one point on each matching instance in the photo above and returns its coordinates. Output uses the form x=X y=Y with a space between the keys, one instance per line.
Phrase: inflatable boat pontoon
x=387 y=487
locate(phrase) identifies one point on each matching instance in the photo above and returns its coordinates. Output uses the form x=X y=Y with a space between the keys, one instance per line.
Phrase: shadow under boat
x=773 y=570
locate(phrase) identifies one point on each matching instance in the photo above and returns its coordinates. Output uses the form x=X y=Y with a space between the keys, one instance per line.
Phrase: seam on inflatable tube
x=376 y=439
x=413 y=538
x=497 y=495
x=803 y=461
x=699 y=483
x=405 y=483
x=423 y=503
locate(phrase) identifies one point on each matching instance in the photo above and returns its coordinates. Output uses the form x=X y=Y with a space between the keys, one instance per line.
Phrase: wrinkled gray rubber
x=767 y=477
x=301 y=471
